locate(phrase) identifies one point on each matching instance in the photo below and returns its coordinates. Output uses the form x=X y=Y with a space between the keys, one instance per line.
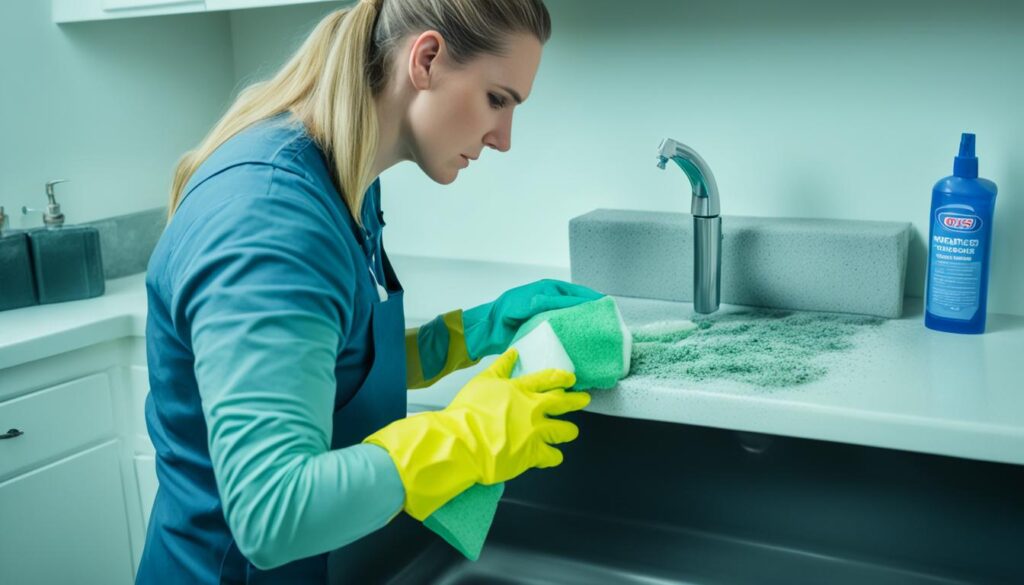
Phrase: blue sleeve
x=265 y=284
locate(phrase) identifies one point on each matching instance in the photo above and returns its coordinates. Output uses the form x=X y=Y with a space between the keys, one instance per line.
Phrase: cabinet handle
x=11 y=434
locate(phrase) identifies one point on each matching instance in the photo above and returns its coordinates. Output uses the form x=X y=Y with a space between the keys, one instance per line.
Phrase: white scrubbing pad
x=539 y=350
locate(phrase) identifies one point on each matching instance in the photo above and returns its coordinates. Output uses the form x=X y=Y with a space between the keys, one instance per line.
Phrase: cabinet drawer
x=55 y=421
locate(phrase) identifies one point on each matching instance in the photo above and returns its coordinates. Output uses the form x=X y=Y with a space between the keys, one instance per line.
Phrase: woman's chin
x=442 y=176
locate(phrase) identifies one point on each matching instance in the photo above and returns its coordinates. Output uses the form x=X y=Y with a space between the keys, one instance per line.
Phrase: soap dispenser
x=66 y=260
x=17 y=286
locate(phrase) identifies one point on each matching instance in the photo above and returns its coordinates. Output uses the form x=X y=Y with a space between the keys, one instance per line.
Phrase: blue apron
x=380 y=401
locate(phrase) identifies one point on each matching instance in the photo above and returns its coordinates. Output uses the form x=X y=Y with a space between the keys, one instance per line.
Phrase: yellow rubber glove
x=495 y=429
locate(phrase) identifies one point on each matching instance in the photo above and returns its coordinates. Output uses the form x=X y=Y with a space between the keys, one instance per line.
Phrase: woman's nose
x=500 y=139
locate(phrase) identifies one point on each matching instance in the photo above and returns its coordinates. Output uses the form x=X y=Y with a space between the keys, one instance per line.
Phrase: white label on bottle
x=954 y=262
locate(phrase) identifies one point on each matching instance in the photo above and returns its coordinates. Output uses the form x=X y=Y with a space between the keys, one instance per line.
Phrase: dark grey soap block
x=17 y=286
x=845 y=266
x=67 y=263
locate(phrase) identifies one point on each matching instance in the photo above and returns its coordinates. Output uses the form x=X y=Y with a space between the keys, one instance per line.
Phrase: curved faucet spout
x=707 y=225
x=705 y=190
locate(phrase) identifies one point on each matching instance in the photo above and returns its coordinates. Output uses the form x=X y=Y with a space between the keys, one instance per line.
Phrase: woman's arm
x=266 y=291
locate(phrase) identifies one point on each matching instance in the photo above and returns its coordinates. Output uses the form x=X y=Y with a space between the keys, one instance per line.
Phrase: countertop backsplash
x=127 y=241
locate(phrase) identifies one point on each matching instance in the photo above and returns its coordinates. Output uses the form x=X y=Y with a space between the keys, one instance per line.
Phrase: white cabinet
x=75 y=10
x=145 y=476
x=143 y=453
x=65 y=522
x=77 y=485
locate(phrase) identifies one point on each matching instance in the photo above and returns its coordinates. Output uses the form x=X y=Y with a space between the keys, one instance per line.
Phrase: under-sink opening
x=653 y=502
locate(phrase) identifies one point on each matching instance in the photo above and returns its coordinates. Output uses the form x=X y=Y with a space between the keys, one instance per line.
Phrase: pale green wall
x=853 y=110
x=110 y=105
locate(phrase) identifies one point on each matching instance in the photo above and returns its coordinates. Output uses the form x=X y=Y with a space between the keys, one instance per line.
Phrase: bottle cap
x=966 y=164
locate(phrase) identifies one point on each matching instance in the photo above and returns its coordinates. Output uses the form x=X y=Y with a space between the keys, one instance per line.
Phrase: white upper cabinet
x=77 y=10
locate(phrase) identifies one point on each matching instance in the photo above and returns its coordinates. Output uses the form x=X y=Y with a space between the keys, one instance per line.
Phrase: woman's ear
x=423 y=56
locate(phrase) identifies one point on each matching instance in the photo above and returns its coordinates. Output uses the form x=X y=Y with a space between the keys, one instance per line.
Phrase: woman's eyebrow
x=515 y=95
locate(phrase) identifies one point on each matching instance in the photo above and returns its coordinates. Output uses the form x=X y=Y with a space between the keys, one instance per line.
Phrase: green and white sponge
x=592 y=341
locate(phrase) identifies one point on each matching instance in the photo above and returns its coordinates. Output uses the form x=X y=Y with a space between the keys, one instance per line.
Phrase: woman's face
x=456 y=111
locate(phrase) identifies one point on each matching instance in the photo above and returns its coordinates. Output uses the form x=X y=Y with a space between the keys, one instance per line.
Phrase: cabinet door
x=145 y=476
x=66 y=522
x=75 y=10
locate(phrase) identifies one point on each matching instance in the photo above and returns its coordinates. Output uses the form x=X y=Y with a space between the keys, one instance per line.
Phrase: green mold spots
x=769 y=349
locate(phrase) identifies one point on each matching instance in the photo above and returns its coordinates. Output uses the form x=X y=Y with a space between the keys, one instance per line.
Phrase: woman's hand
x=495 y=428
x=489 y=328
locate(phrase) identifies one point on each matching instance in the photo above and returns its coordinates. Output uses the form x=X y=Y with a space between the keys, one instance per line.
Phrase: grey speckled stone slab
x=844 y=266
x=127 y=241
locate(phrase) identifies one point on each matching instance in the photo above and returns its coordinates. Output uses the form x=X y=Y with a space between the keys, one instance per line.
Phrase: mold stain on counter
x=770 y=349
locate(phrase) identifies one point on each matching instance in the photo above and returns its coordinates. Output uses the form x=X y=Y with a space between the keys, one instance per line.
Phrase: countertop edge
x=1002 y=443
x=63 y=341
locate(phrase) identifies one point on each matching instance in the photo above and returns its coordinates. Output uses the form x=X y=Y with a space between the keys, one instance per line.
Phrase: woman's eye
x=497 y=102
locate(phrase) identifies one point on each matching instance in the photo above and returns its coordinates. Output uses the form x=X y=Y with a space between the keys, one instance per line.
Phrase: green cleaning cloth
x=465 y=520
x=590 y=340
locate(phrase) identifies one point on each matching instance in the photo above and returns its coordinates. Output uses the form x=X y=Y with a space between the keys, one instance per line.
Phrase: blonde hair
x=329 y=84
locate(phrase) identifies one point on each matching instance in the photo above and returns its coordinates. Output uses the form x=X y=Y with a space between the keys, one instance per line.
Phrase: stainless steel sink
x=658 y=503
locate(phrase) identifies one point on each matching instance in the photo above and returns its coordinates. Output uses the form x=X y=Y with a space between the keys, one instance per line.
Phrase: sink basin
x=641 y=501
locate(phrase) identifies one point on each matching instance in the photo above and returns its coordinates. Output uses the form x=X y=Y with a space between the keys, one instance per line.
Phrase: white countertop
x=902 y=386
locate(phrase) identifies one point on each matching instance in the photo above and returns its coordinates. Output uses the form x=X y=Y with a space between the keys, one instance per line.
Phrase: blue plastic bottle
x=959 y=246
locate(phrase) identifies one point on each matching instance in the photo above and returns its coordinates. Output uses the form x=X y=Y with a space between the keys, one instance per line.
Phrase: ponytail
x=324 y=84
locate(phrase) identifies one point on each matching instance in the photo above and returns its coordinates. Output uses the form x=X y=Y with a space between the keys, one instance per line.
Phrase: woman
x=276 y=344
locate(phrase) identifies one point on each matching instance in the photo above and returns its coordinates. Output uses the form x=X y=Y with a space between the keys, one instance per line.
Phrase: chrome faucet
x=707 y=223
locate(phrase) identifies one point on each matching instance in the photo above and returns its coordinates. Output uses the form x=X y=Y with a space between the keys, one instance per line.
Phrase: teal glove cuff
x=435 y=349
x=477 y=327
x=432 y=339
